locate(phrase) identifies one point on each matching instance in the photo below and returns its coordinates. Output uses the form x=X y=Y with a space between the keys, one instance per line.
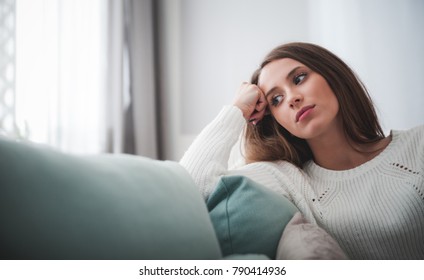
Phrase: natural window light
x=60 y=72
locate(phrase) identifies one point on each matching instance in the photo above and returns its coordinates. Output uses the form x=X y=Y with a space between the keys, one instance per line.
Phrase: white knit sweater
x=374 y=211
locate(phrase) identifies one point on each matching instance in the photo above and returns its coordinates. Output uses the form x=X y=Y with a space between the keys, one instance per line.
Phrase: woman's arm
x=207 y=158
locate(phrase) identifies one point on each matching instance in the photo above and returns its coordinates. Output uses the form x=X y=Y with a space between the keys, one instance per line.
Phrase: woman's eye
x=276 y=100
x=299 y=78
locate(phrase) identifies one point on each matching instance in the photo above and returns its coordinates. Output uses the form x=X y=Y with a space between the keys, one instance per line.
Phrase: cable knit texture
x=374 y=211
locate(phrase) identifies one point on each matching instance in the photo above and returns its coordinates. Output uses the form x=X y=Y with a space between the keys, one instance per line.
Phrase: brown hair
x=269 y=141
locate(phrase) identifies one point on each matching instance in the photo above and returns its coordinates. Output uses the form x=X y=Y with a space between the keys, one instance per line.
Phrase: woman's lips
x=304 y=112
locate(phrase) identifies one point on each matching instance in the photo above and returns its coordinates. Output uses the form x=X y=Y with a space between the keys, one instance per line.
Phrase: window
x=60 y=73
x=7 y=68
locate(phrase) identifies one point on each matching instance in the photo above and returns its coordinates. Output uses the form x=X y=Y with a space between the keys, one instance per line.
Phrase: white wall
x=210 y=46
x=382 y=40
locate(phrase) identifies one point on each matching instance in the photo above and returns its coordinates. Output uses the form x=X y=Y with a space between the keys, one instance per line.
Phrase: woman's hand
x=251 y=101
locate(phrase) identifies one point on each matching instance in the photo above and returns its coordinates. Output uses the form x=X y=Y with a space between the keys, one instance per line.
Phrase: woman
x=312 y=135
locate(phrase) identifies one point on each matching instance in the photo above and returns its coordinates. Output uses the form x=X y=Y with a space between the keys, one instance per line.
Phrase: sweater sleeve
x=207 y=157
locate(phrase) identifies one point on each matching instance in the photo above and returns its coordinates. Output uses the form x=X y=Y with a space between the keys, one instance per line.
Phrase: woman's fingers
x=260 y=109
x=261 y=103
x=256 y=117
x=251 y=101
x=247 y=98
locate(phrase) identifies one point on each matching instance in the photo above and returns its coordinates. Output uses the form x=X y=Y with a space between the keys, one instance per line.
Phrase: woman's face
x=299 y=99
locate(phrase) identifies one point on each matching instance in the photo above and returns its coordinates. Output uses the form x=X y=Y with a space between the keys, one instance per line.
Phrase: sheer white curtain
x=7 y=69
x=79 y=65
x=60 y=72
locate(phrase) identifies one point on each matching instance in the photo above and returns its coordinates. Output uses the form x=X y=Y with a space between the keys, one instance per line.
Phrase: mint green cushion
x=247 y=217
x=58 y=206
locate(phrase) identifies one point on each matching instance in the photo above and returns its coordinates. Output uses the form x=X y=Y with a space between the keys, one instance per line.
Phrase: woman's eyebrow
x=291 y=73
x=271 y=91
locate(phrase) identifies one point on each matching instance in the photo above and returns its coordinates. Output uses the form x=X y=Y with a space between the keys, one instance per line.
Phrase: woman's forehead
x=276 y=71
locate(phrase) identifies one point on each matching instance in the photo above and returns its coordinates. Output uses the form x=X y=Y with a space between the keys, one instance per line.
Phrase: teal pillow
x=248 y=218
x=59 y=206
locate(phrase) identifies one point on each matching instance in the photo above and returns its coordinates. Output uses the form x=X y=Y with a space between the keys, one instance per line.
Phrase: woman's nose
x=294 y=99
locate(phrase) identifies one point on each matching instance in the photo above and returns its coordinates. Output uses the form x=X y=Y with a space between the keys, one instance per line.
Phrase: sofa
x=55 y=205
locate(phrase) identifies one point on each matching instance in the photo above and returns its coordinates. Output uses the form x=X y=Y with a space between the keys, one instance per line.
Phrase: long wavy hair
x=269 y=141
